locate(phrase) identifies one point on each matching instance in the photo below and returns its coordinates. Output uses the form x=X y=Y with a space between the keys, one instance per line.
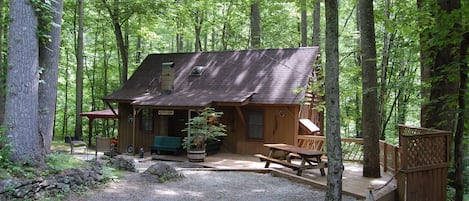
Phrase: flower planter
x=196 y=156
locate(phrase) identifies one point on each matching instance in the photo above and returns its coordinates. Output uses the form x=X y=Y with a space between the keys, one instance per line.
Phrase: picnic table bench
x=310 y=159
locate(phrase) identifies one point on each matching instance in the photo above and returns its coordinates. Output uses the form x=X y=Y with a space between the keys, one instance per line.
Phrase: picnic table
x=310 y=159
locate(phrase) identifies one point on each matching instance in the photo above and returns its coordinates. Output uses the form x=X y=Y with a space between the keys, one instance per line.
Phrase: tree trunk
x=317 y=23
x=443 y=89
x=179 y=38
x=370 y=118
x=425 y=63
x=460 y=147
x=65 y=114
x=255 y=25
x=49 y=61
x=121 y=45
x=334 y=148
x=199 y=20
x=79 y=73
x=304 y=24
x=21 y=108
x=2 y=73
x=387 y=44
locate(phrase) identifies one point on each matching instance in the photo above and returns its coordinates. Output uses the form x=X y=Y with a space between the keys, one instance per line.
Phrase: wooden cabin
x=260 y=92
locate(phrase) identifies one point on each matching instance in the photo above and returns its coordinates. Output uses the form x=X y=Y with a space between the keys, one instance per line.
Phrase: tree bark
x=179 y=39
x=334 y=148
x=317 y=23
x=460 y=147
x=121 y=45
x=199 y=20
x=79 y=74
x=304 y=24
x=2 y=74
x=49 y=61
x=65 y=114
x=370 y=118
x=255 y=25
x=441 y=110
x=21 y=108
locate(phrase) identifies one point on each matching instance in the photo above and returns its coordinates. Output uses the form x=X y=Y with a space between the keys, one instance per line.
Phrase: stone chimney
x=167 y=77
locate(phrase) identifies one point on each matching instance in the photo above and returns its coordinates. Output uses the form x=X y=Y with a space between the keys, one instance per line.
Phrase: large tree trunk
x=304 y=24
x=49 y=61
x=2 y=74
x=21 y=110
x=440 y=109
x=370 y=118
x=255 y=25
x=460 y=148
x=437 y=64
x=79 y=76
x=334 y=148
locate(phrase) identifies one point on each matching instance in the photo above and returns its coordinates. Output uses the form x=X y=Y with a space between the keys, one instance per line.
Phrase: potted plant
x=201 y=129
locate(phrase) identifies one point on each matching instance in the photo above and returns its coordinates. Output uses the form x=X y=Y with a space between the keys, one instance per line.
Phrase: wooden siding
x=280 y=126
x=125 y=127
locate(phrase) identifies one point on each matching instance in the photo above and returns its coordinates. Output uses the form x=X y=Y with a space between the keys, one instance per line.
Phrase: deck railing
x=352 y=150
x=422 y=159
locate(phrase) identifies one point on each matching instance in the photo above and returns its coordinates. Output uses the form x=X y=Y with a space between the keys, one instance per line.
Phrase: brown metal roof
x=260 y=76
x=105 y=114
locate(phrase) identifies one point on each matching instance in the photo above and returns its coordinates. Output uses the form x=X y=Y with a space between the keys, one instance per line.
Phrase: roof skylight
x=197 y=70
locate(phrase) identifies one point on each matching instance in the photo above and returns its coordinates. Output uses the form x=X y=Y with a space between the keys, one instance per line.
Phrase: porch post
x=188 y=124
x=90 y=129
x=134 y=113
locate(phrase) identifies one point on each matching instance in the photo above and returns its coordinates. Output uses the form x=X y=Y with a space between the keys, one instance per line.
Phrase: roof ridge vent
x=197 y=71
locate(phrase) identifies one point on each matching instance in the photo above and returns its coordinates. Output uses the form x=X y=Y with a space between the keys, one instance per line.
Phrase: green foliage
x=202 y=128
x=111 y=174
x=57 y=162
x=45 y=15
x=5 y=147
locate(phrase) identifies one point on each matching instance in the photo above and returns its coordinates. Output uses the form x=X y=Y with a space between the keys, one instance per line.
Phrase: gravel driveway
x=206 y=186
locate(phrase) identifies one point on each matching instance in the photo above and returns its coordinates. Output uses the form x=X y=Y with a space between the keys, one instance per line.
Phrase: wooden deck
x=353 y=183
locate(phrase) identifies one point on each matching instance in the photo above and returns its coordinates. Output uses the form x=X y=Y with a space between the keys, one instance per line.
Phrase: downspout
x=134 y=113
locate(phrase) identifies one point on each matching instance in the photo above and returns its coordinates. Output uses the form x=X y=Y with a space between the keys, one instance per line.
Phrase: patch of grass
x=111 y=174
x=57 y=162
x=60 y=146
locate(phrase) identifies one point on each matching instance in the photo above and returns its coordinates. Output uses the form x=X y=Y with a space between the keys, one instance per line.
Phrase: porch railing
x=352 y=150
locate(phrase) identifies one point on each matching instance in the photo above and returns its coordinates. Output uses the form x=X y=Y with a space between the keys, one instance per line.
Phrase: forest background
x=117 y=36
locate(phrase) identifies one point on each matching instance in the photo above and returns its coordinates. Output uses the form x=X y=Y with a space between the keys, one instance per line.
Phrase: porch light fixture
x=130 y=118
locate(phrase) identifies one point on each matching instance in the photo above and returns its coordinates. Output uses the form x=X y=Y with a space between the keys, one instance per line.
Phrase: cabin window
x=146 y=120
x=255 y=125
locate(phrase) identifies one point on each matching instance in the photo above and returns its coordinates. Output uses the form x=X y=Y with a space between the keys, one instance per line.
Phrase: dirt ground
x=203 y=185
